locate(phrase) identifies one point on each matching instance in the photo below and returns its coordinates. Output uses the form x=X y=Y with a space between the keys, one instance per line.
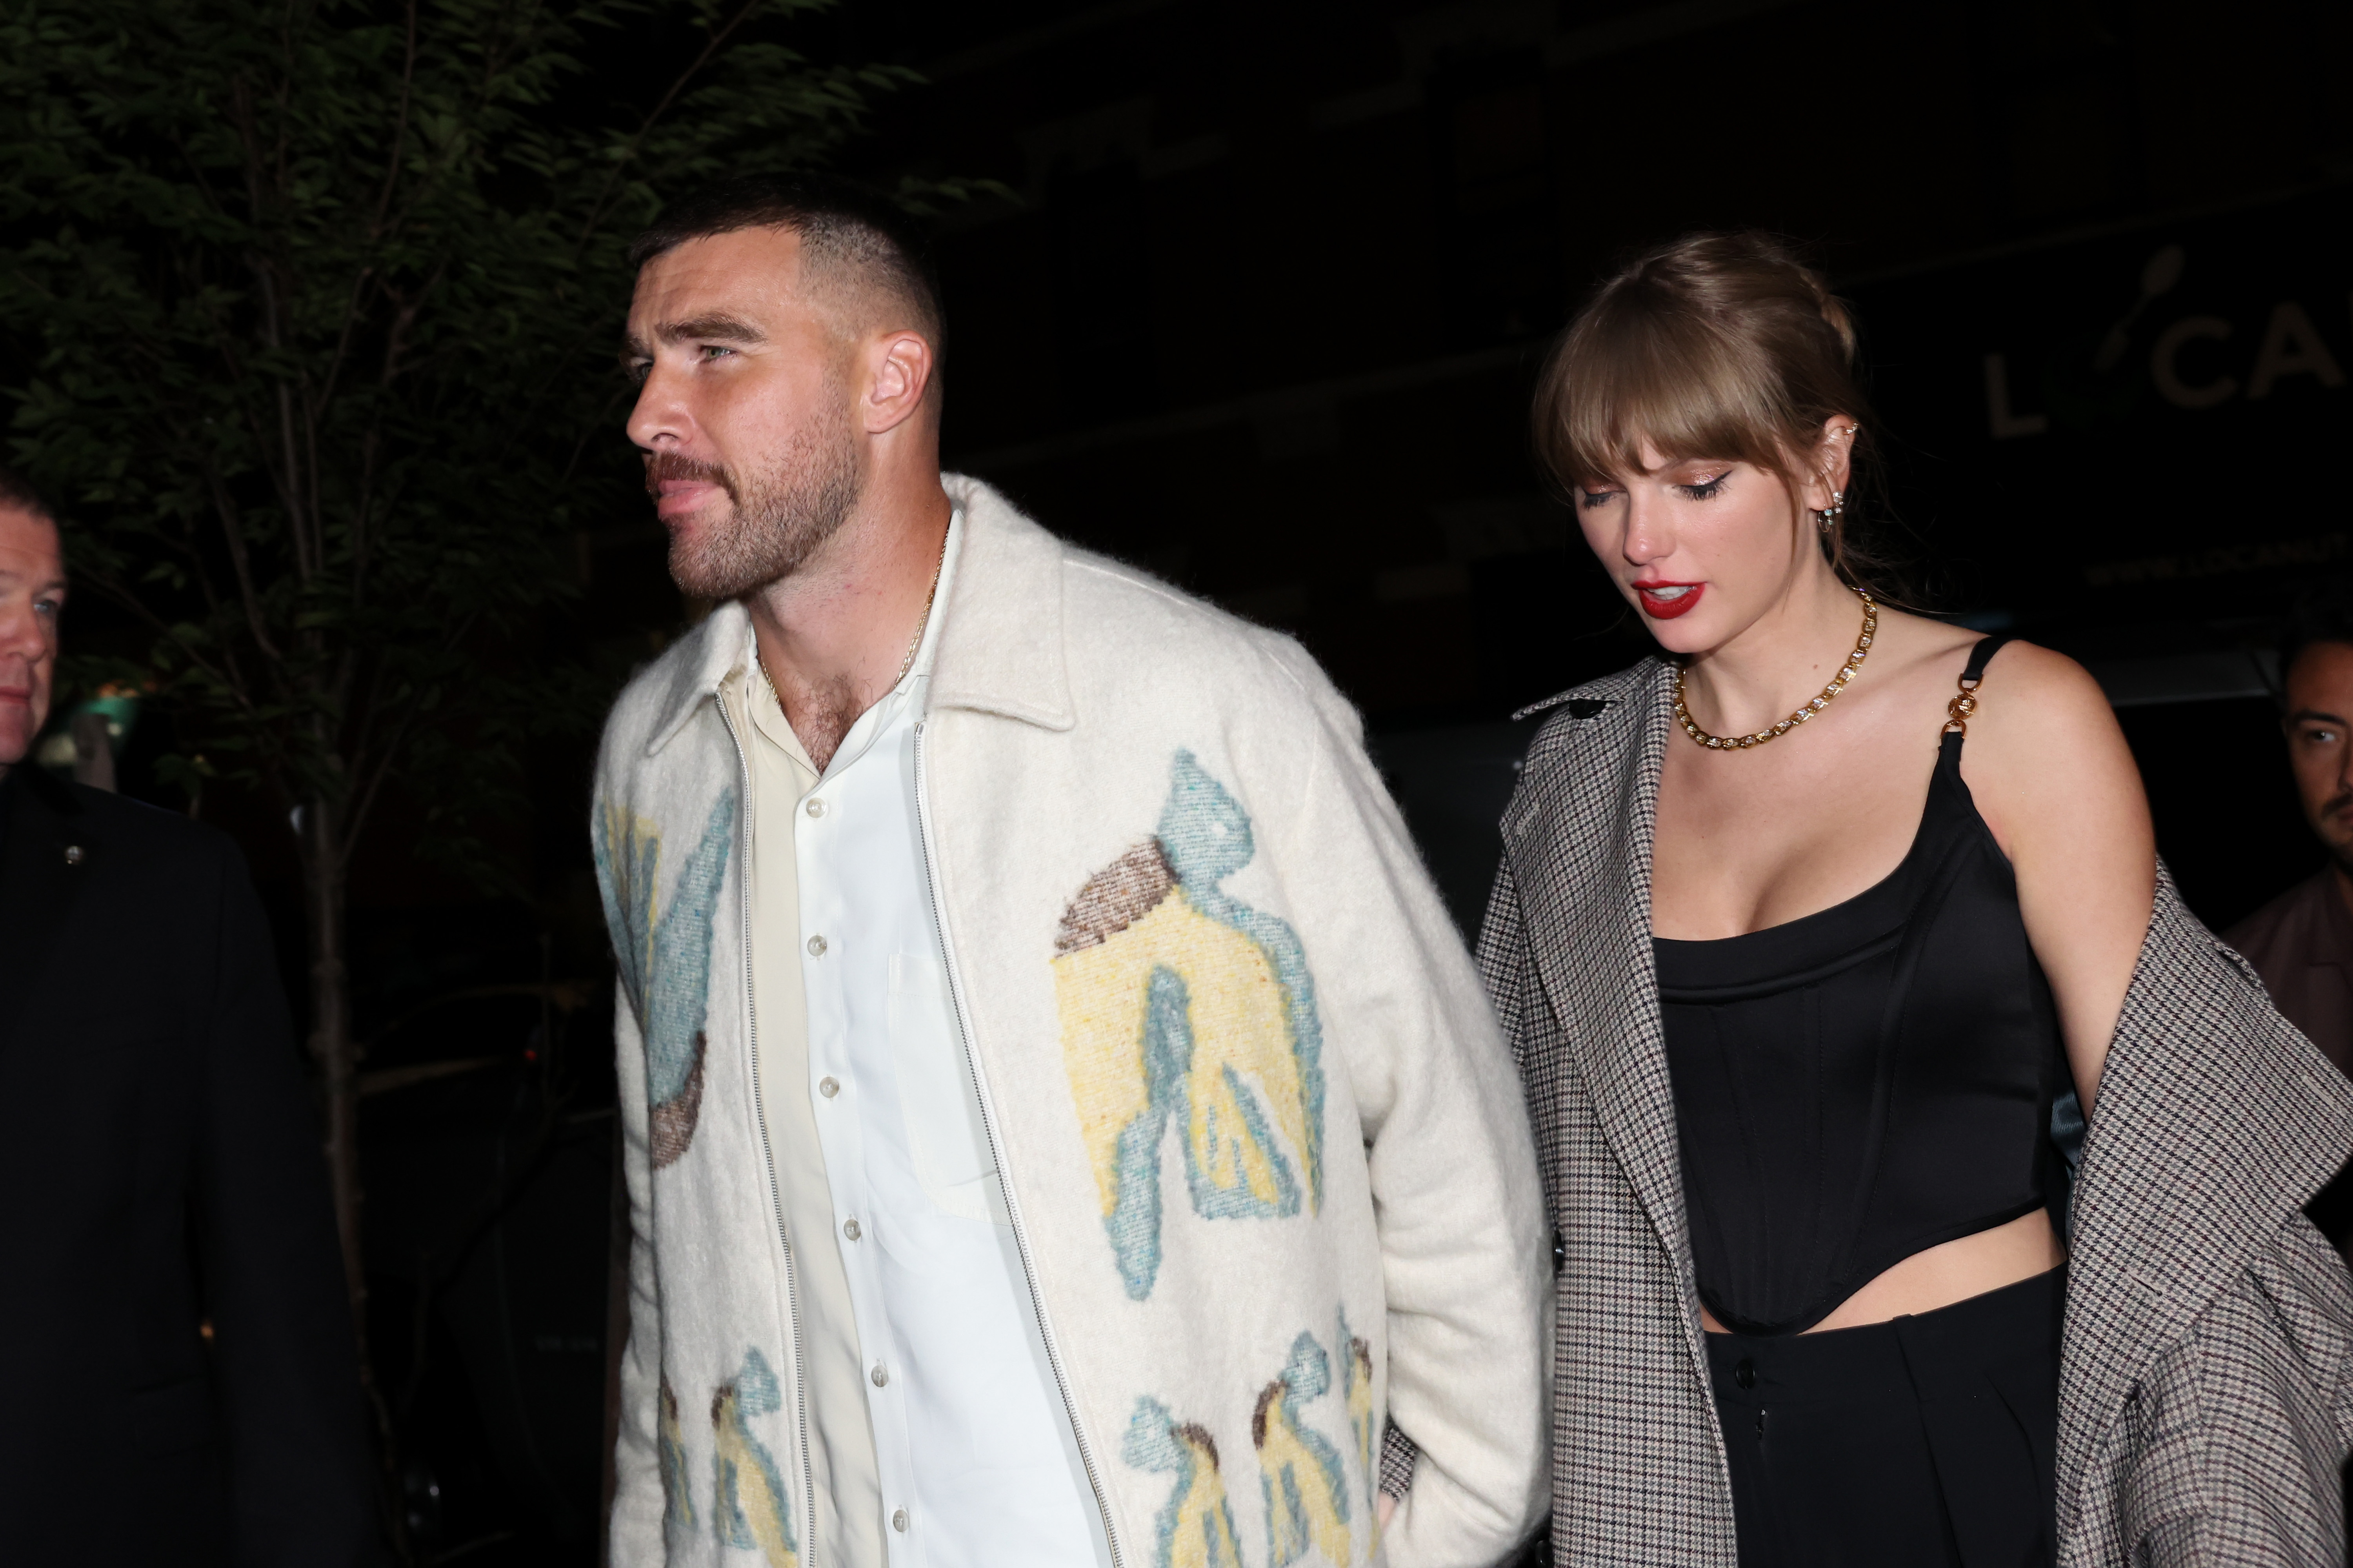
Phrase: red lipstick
x=1665 y=601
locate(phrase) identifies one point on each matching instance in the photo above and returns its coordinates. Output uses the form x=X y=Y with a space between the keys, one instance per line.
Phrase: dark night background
x=1259 y=305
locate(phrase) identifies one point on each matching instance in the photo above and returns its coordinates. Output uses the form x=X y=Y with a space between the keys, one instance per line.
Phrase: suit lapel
x=39 y=885
x=1579 y=835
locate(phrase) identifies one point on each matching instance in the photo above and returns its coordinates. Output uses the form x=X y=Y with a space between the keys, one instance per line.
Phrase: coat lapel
x=1581 y=860
x=39 y=883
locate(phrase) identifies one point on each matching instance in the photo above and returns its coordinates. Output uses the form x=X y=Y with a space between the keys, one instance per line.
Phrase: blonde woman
x=1810 y=930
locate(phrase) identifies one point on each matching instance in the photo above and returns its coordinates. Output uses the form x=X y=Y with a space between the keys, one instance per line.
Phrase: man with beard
x=2302 y=942
x=1062 y=1126
x=176 y=1357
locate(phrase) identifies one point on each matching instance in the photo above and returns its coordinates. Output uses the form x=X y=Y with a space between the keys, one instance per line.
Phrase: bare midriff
x=1939 y=1275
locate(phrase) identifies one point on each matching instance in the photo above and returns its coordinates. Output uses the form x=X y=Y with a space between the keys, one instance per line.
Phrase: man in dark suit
x=177 y=1373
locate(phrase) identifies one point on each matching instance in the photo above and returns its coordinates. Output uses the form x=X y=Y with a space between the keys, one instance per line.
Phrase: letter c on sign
x=2161 y=370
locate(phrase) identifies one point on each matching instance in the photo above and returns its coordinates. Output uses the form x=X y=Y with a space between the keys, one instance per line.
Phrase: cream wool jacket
x=1264 y=1149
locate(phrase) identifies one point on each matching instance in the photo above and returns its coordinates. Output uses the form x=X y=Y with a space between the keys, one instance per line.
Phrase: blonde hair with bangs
x=1717 y=345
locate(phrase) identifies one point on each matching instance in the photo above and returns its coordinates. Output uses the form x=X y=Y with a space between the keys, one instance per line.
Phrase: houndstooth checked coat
x=2206 y=1382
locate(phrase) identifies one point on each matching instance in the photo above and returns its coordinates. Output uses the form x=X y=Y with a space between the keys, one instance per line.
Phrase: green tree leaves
x=313 y=306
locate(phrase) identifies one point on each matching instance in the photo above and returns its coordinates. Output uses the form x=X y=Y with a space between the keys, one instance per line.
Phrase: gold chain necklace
x=1838 y=684
x=923 y=624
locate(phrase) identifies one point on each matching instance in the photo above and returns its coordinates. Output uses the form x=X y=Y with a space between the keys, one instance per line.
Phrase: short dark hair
x=844 y=226
x=16 y=492
x=2324 y=613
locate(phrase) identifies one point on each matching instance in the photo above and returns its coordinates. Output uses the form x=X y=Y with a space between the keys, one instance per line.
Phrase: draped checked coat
x=2206 y=1376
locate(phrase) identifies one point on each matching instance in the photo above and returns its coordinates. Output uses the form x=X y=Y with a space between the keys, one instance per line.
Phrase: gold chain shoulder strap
x=1965 y=702
x=1958 y=712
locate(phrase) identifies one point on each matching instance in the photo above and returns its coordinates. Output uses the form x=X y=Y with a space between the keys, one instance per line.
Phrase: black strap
x=1985 y=650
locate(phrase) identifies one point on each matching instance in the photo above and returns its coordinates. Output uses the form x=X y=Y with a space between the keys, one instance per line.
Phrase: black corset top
x=1862 y=1083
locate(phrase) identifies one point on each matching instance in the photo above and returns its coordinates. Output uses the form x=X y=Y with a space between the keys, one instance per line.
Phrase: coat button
x=1744 y=1373
x=827 y=1088
x=73 y=854
x=814 y=808
x=816 y=947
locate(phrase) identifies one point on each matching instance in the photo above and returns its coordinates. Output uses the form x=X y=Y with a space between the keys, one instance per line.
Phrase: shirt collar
x=894 y=704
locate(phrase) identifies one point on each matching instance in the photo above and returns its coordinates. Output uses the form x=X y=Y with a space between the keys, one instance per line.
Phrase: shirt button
x=850 y=1228
x=899 y=1521
x=816 y=947
x=827 y=1088
x=879 y=1377
x=1744 y=1372
x=814 y=808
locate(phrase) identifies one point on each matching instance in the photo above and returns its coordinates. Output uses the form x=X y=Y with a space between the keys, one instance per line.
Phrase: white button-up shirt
x=939 y=1437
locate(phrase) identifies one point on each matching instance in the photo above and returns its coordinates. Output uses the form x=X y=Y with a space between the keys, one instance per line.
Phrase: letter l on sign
x=2002 y=423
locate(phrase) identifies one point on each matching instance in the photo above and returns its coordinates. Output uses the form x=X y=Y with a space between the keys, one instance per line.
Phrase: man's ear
x=899 y=372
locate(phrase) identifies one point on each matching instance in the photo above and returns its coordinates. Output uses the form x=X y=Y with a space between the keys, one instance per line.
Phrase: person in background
x=2302 y=942
x=176 y=1357
x=1061 y=1125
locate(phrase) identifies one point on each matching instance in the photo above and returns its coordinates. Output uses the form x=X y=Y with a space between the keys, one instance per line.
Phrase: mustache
x=661 y=467
x=2341 y=800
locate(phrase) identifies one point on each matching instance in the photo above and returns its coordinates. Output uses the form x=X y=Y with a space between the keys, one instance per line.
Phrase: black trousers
x=1923 y=1441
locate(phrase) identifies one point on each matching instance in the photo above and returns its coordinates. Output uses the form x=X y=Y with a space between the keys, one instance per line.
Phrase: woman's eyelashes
x=1592 y=498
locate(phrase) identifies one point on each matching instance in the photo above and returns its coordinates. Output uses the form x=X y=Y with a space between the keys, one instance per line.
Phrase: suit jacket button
x=1744 y=1373
x=73 y=855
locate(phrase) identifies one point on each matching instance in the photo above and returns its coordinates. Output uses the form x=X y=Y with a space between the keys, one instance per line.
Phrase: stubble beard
x=777 y=516
x=2333 y=825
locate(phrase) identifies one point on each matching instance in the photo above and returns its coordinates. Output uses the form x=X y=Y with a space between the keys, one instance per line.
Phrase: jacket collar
x=1000 y=647
x=1577 y=850
x=715 y=650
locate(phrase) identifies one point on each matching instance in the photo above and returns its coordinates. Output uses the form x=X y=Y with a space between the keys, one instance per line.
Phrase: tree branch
x=383 y=769
x=711 y=48
x=232 y=523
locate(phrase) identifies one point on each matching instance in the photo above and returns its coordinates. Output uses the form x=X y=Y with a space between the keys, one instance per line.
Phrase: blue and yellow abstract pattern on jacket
x=665 y=957
x=1180 y=1003
x=1303 y=1480
x=1195 y=1529
x=1298 y=1468
x=750 y=1508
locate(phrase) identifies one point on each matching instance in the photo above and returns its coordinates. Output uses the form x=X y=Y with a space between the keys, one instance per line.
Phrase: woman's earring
x=1827 y=517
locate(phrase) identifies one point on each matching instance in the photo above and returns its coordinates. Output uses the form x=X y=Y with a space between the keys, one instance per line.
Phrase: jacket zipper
x=997 y=1150
x=767 y=1150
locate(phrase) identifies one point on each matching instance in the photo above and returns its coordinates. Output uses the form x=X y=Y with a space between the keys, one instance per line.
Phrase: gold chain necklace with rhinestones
x=1838 y=684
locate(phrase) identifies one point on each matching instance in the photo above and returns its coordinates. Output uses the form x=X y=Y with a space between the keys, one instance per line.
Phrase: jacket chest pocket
x=946 y=1139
